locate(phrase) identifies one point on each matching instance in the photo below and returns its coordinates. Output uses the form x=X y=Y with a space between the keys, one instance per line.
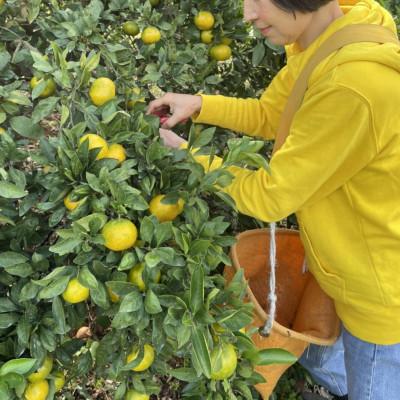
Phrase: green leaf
x=64 y=114
x=99 y=296
x=151 y=303
x=184 y=374
x=6 y=305
x=44 y=108
x=183 y=335
x=197 y=289
x=243 y=388
x=13 y=380
x=56 y=217
x=20 y=366
x=204 y=138
x=10 y=258
x=10 y=191
x=201 y=350
x=182 y=239
x=4 y=390
x=227 y=199
x=94 y=182
x=152 y=259
x=258 y=54
x=87 y=279
x=21 y=270
x=4 y=59
x=55 y=273
x=65 y=246
x=166 y=255
x=274 y=356
x=163 y=232
x=55 y=288
x=90 y=64
x=59 y=316
x=128 y=261
x=97 y=218
x=123 y=320
x=26 y=128
x=147 y=229
x=235 y=319
x=40 y=62
x=29 y=291
x=199 y=247
x=24 y=331
x=19 y=97
x=8 y=319
x=131 y=302
x=47 y=339
x=18 y=177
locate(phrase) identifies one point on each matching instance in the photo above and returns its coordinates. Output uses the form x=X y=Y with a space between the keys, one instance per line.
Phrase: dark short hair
x=300 y=5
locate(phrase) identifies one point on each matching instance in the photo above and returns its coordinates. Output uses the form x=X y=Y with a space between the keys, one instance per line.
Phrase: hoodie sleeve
x=331 y=139
x=254 y=117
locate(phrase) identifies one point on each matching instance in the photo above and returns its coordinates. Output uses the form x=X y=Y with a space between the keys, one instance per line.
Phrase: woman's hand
x=180 y=106
x=171 y=139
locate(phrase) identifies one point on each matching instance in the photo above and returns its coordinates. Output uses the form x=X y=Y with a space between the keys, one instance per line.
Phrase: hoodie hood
x=355 y=12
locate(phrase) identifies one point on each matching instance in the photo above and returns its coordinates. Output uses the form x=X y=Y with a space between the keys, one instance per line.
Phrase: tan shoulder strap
x=347 y=35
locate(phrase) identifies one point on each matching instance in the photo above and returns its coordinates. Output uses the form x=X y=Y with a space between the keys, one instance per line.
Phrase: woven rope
x=266 y=330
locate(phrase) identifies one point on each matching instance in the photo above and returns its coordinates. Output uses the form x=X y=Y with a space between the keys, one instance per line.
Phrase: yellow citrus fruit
x=117 y=152
x=96 y=142
x=204 y=20
x=75 y=292
x=2 y=3
x=119 y=234
x=226 y=40
x=37 y=390
x=147 y=360
x=2 y=130
x=223 y=361
x=151 y=35
x=165 y=212
x=49 y=89
x=154 y=2
x=113 y=296
x=206 y=37
x=131 y=28
x=69 y=204
x=59 y=380
x=135 y=276
x=220 y=52
x=134 y=395
x=131 y=103
x=42 y=372
x=101 y=91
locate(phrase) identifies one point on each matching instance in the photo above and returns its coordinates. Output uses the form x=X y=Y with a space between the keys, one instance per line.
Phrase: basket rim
x=306 y=336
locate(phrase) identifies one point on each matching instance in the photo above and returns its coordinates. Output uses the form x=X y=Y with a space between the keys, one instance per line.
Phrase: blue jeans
x=364 y=371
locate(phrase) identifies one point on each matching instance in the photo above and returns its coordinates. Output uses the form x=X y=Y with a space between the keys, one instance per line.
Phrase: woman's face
x=278 y=26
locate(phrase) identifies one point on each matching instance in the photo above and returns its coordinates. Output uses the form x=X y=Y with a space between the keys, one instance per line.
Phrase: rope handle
x=272 y=298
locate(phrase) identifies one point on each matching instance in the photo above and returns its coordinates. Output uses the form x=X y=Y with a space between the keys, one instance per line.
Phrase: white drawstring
x=266 y=330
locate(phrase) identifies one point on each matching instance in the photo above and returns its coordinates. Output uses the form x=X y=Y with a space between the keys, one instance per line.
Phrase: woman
x=338 y=170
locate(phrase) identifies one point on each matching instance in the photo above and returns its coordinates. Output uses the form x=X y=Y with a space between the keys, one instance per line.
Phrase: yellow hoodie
x=339 y=170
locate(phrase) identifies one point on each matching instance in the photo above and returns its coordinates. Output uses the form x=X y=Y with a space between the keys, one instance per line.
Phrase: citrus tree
x=112 y=246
